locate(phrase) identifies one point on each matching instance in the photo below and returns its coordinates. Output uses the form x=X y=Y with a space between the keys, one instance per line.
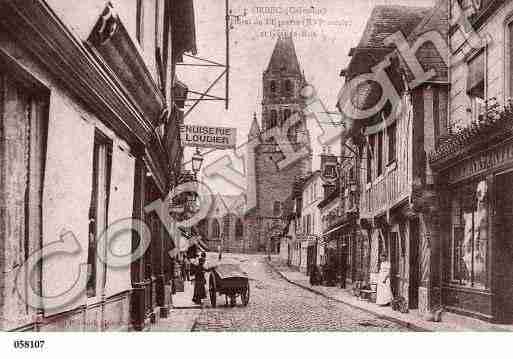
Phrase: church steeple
x=284 y=58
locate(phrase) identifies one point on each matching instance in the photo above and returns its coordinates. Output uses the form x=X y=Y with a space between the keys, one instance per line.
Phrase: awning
x=475 y=76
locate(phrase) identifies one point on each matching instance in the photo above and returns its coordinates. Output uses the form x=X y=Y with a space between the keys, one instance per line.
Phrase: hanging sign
x=208 y=136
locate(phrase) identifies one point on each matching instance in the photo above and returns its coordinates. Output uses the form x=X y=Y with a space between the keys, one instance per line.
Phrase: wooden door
x=394 y=263
x=414 y=275
x=502 y=269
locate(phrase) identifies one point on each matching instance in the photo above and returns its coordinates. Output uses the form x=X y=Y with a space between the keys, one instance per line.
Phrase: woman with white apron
x=384 y=290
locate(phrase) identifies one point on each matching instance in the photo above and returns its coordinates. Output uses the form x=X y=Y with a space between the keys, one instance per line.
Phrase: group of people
x=328 y=275
x=196 y=267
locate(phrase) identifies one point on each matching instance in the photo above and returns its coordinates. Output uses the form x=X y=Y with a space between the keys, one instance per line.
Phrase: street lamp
x=197 y=161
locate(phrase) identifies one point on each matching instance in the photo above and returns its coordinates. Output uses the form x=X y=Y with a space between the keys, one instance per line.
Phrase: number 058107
x=29 y=344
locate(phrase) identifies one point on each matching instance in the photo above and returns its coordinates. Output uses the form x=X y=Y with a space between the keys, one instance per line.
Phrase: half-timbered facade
x=392 y=145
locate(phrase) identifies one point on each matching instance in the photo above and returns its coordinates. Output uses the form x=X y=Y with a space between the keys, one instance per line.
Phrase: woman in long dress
x=199 y=282
x=384 y=290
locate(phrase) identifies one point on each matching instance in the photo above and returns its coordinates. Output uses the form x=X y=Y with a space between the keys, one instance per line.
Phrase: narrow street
x=277 y=305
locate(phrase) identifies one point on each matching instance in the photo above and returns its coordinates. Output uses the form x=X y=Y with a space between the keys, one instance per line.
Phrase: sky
x=322 y=48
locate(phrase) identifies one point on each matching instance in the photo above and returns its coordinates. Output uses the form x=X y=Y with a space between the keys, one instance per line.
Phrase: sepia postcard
x=254 y=166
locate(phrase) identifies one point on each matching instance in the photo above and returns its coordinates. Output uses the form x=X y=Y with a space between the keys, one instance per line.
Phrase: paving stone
x=277 y=305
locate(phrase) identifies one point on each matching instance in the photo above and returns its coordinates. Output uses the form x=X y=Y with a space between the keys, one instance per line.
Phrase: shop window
x=469 y=250
x=392 y=146
x=215 y=228
x=98 y=210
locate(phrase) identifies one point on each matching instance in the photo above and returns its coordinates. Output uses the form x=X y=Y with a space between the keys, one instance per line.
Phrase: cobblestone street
x=277 y=305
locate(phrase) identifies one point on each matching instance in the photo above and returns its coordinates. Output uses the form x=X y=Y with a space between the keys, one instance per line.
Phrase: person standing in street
x=199 y=282
x=186 y=268
x=384 y=289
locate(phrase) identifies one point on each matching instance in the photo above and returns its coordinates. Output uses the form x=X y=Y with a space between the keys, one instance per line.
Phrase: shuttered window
x=23 y=131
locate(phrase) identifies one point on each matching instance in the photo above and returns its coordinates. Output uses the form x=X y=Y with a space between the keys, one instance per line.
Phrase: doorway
x=503 y=270
x=395 y=274
x=413 y=288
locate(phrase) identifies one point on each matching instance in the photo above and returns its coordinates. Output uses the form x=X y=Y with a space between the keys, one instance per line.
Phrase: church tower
x=269 y=184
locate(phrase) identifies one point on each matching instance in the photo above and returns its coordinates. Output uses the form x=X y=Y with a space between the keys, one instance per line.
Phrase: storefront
x=340 y=251
x=476 y=228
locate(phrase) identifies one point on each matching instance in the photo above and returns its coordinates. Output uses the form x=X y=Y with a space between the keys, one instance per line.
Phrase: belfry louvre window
x=272 y=87
x=277 y=208
x=102 y=162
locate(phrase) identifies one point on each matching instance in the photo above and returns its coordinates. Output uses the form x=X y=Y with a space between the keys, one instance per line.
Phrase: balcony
x=386 y=191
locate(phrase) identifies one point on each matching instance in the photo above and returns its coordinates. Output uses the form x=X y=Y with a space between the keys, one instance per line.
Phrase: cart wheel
x=245 y=296
x=212 y=290
x=233 y=300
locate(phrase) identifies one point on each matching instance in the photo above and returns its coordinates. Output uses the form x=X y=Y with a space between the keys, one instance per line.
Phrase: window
x=98 y=210
x=308 y=224
x=286 y=115
x=159 y=42
x=329 y=171
x=239 y=228
x=476 y=86
x=23 y=130
x=469 y=250
x=274 y=119
x=370 y=155
x=287 y=88
x=379 y=157
x=215 y=228
x=226 y=226
x=391 y=133
x=139 y=14
x=277 y=208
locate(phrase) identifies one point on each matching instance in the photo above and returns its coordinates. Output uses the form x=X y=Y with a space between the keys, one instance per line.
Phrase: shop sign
x=208 y=136
x=482 y=162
